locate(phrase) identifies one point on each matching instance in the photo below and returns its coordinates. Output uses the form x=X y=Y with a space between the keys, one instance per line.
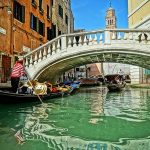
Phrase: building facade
x=139 y=17
x=62 y=17
x=30 y=24
x=5 y=40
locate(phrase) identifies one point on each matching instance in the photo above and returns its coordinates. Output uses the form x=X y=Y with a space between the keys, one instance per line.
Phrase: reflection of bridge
x=72 y=50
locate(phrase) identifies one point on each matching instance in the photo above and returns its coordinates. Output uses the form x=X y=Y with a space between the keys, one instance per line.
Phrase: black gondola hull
x=115 y=87
x=7 y=97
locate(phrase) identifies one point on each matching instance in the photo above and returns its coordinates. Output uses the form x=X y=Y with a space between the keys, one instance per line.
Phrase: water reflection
x=94 y=119
x=97 y=105
x=130 y=105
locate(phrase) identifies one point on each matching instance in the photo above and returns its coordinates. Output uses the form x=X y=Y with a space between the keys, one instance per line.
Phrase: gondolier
x=17 y=72
x=121 y=75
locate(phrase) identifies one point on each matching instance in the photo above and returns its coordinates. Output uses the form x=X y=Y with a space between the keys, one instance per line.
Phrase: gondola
x=7 y=97
x=115 y=87
x=114 y=83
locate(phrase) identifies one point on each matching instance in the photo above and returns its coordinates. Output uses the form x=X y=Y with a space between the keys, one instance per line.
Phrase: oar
x=32 y=86
x=26 y=73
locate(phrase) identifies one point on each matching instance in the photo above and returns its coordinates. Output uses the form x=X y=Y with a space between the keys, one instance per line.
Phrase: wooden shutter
x=23 y=14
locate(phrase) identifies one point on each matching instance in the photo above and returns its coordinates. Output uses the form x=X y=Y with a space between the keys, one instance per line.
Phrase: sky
x=90 y=14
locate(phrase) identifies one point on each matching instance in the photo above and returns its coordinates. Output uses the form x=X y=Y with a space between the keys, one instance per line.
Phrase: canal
x=92 y=119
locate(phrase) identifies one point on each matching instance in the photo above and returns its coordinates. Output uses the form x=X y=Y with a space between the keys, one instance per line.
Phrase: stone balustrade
x=73 y=42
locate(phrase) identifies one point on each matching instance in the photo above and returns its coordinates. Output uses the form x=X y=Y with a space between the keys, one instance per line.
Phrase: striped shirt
x=17 y=71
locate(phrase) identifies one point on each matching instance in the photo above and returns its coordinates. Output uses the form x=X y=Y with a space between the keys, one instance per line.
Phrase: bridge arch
x=65 y=52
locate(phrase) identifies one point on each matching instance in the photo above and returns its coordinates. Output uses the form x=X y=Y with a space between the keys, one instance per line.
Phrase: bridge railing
x=67 y=41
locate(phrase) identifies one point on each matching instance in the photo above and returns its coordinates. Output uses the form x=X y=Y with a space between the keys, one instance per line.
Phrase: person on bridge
x=17 y=71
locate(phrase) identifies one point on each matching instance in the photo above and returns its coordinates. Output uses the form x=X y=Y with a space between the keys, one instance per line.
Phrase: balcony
x=41 y=11
x=34 y=4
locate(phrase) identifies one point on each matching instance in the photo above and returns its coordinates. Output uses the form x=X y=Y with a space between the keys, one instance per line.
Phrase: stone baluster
x=85 y=40
x=114 y=36
x=101 y=38
x=107 y=37
x=26 y=62
x=35 y=58
x=119 y=36
x=44 y=53
x=58 y=45
x=94 y=41
x=49 y=50
x=90 y=40
x=40 y=56
x=80 y=41
x=69 y=42
x=74 y=42
x=142 y=37
x=131 y=36
x=63 y=43
x=53 y=48
x=125 y=36
x=31 y=61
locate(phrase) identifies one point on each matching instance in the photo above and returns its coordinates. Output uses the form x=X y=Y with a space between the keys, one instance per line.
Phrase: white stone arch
x=63 y=53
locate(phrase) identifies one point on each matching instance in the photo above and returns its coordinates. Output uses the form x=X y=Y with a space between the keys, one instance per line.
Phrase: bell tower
x=110 y=18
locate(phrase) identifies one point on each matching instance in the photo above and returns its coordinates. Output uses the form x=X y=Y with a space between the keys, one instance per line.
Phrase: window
x=49 y=34
x=53 y=31
x=37 y=25
x=19 y=11
x=66 y=19
x=48 y=12
x=41 y=28
x=34 y=4
x=40 y=5
x=33 y=22
x=60 y=11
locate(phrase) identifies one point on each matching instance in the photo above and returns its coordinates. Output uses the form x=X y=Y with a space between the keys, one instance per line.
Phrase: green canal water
x=92 y=119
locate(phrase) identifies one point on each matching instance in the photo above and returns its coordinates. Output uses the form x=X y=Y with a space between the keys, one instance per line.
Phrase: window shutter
x=23 y=14
x=43 y=29
x=37 y=25
x=31 y=21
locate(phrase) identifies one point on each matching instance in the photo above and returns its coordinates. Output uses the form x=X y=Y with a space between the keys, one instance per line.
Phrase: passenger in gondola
x=117 y=80
x=49 y=87
x=24 y=89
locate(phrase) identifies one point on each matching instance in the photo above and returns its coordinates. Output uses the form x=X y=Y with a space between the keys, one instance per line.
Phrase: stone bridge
x=128 y=46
